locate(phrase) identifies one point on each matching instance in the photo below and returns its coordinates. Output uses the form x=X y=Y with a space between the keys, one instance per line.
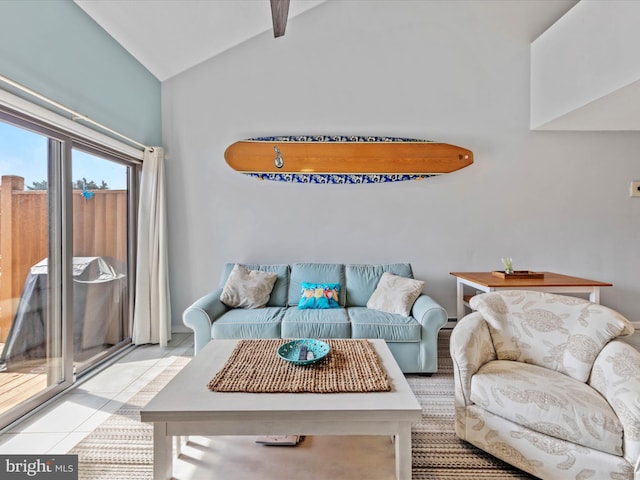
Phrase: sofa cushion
x=319 y=295
x=547 y=402
x=331 y=323
x=362 y=280
x=281 y=287
x=315 y=273
x=367 y=323
x=239 y=323
x=247 y=288
x=395 y=294
x=554 y=331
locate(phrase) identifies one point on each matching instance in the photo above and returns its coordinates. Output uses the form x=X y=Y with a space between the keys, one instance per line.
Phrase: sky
x=24 y=153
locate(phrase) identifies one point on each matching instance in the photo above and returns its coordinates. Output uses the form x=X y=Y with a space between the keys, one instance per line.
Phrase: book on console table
x=518 y=274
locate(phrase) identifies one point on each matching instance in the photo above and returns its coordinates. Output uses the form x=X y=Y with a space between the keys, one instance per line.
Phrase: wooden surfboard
x=344 y=159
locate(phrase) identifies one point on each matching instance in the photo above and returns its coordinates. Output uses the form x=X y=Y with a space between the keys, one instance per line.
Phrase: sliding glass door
x=66 y=264
x=31 y=360
x=100 y=256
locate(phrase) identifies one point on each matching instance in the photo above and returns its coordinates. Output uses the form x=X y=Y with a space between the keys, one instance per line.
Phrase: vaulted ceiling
x=171 y=36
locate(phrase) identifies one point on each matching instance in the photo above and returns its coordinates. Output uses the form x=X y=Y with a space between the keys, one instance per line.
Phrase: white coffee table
x=187 y=407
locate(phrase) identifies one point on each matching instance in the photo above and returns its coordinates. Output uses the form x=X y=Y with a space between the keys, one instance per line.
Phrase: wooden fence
x=99 y=229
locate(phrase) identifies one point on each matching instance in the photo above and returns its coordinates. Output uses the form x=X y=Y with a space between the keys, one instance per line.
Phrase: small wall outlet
x=635 y=188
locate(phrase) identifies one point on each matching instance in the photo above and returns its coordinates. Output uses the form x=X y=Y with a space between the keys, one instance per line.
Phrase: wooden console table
x=552 y=282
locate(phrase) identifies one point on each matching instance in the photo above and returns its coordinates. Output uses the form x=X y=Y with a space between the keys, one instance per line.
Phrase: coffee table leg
x=403 y=452
x=162 y=452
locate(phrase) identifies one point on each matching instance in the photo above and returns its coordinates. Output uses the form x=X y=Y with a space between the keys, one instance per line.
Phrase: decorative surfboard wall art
x=344 y=159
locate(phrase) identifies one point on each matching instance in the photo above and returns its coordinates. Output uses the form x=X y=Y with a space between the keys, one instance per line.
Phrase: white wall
x=456 y=72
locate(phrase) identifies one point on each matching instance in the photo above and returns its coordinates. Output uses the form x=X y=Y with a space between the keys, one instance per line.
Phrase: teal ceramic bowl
x=290 y=351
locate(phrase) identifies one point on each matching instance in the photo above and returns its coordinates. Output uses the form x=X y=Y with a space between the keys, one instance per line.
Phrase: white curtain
x=152 y=312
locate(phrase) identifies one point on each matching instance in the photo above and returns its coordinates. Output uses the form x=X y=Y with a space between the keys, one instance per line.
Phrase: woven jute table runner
x=255 y=367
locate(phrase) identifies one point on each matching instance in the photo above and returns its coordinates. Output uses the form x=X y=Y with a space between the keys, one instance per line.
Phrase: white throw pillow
x=395 y=294
x=247 y=288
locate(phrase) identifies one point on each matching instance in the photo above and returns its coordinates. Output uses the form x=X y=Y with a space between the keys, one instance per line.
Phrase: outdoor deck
x=18 y=387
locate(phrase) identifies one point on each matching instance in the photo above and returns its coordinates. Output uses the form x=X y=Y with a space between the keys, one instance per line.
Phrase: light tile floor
x=57 y=428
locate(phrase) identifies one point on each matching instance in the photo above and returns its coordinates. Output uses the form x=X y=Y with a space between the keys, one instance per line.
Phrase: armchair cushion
x=547 y=402
x=557 y=332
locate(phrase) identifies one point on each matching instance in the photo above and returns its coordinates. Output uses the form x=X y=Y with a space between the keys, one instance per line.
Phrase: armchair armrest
x=470 y=347
x=200 y=316
x=616 y=375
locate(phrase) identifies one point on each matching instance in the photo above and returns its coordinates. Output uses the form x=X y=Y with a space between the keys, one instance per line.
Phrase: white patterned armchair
x=541 y=383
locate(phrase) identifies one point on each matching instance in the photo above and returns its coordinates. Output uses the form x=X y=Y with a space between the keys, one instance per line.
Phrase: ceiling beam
x=279 y=14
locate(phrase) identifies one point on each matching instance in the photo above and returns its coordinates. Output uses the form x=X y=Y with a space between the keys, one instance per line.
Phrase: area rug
x=122 y=447
x=253 y=367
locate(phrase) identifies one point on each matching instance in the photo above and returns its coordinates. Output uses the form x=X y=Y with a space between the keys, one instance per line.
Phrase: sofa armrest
x=616 y=375
x=429 y=313
x=200 y=316
x=432 y=317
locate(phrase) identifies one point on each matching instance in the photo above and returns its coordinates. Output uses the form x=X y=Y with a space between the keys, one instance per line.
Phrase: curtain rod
x=75 y=116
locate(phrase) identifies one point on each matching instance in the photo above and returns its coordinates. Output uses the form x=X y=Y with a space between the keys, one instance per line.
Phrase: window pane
x=100 y=303
x=30 y=342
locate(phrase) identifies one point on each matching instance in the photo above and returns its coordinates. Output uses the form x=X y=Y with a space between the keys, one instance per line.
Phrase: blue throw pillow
x=319 y=295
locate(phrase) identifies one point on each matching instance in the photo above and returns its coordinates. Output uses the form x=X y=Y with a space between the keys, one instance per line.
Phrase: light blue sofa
x=413 y=340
